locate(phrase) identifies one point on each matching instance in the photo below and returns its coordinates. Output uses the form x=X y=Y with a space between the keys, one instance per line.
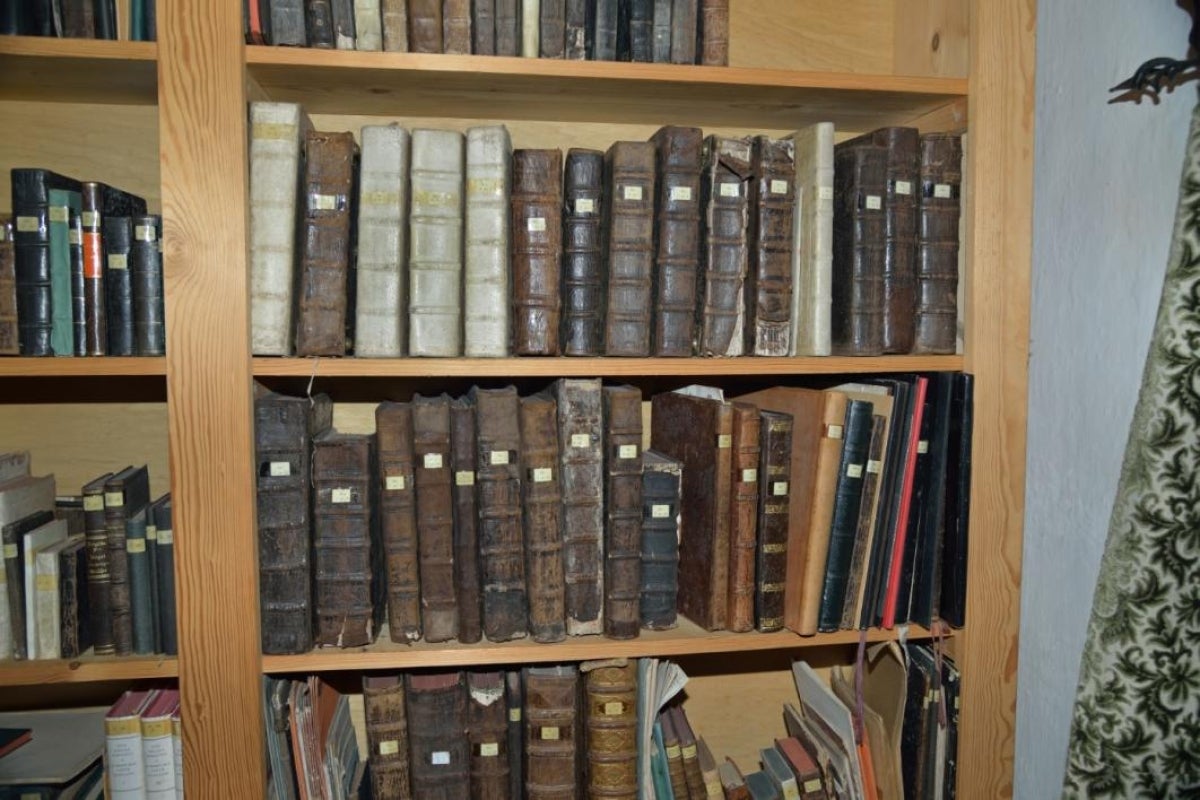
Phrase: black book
x=105 y=12
x=579 y=14
x=856 y=439
x=287 y=23
x=141 y=590
x=40 y=14
x=125 y=494
x=514 y=696
x=624 y=17
x=343 y=24
x=582 y=332
x=151 y=21
x=920 y=491
x=100 y=201
x=118 y=284
x=661 y=476
x=931 y=512
x=318 y=23
x=12 y=17
x=661 y=50
x=483 y=27
x=604 y=31
x=952 y=597
x=165 y=566
x=152 y=559
x=78 y=304
x=76 y=631
x=146 y=274
x=641 y=30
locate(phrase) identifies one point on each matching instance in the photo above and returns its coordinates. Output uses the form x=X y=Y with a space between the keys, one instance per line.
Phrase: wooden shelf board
x=424 y=84
x=87 y=669
x=78 y=70
x=76 y=367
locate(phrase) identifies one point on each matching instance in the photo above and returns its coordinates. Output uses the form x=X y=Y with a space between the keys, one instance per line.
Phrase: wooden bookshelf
x=107 y=366
x=87 y=668
x=78 y=70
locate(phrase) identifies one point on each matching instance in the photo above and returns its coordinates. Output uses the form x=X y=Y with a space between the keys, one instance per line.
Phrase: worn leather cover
x=606 y=30
x=812 y=231
x=141 y=595
x=530 y=27
x=487 y=732
x=463 y=457
x=937 y=243
x=324 y=300
x=118 y=284
x=368 y=26
x=623 y=509
x=698 y=432
x=577 y=14
x=381 y=290
x=287 y=23
x=537 y=251
x=712 y=38
x=660 y=540
x=847 y=502
x=809 y=781
x=348 y=595
x=732 y=782
x=629 y=247
x=78 y=19
x=501 y=532
x=318 y=21
x=542 y=509
x=397 y=519
x=435 y=260
x=677 y=238
x=867 y=513
x=99 y=580
x=168 y=628
x=456 y=27
x=437 y=735
x=387 y=735
x=435 y=516
x=610 y=718
x=425 y=26
x=551 y=732
x=75 y=637
x=916 y=733
x=146 y=276
x=689 y=753
x=12 y=537
x=552 y=32
x=859 y=250
x=125 y=494
x=581 y=465
x=486 y=301
x=720 y=295
x=508 y=27
x=670 y=737
x=514 y=696
x=641 y=30
x=394 y=16
x=661 y=32
x=743 y=528
x=774 y=503
x=9 y=345
x=930 y=502
x=769 y=277
x=583 y=270
x=951 y=606
x=685 y=25
x=483 y=27
x=344 y=31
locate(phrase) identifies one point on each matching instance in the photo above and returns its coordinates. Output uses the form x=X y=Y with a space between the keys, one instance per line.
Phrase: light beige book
x=812 y=241
x=531 y=22
x=368 y=27
x=47 y=582
x=48 y=535
x=18 y=499
x=486 y=296
x=380 y=321
x=435 y=261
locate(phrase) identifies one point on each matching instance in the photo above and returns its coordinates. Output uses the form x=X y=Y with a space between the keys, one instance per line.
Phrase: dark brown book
x=937 y=243
x=487 y=732
x=769 y=277
x=463 y=457
x=551 y=732
x=397 y=519
x=508 y=27
x=580 y=435
x=610 y=719
x=99 y=200
x=456 y=27
x=99 y=580
x=318 y=22
x=684 y=29
x=348 y=595
x=583 y=268
x=698 y=431
x=425 y=26
x=537 y=250
x=283 y=431
x=677 y=239
x=387 y=736
x=75 y=636
x=483 y=27
x=661 y=478
x=866 y=520
x=78 y=19
x=724 y=260
x=712 y=40
x=578 y=37
x=774 y=493
x=552 y=28
x=9 y=345
x=733 y=783
x=542 y=511
x=435 y=516
x=437 y=735
x=125 y=495
x=394 y=19
x=688 y=753
x=809 y=779
x=859 y=227
x=514 y=696
x=324 y=297
x=628 y=247
x=501 y=535
x=670 y=737
x=623 y=509
x=743 y=527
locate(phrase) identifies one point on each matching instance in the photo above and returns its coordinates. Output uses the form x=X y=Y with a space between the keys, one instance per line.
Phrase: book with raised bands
x=769 y=277
x=551 y=732
x=583 y=272
x=117 y=233
x=381 y=291
x=397 y=519
x=937 y=243
x=629 y=247
x=581 y=464
x=661 y=513
x=720 y=290
x=487 y=732
x=146 y=272
x=542 y=506
x=677 y=239
x=743 y=526
x=623 y=509
x=8 y=290
x=99 y=580
x=387 y=736
x=859 y=250
x=126 y=494
x=712 y=38
x=435 y=260
x=537 y=251
x=437 y=735
x=486 y=302
x=435 y=516
x=456 y=26
x=463 y=456
x=774 y=502
x=610 y=722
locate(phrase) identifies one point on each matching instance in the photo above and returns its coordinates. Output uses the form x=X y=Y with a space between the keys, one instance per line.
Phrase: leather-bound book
x=537 y=251
x=345 y=32
x=769 y=277
x=732 y=781
x=688 y=752
x=810 y=782
x=78 y=19
x=514 y=697
x=530 y=27
x=812 y=233
x=118 y=285
x=98 y=578
x=483 y=27
x=325 y=299
x=847 y=504
x=577 y=17
x=677 y=239
x=581 y=470
x=284 y=428
x=436 y=243
x=501 y=534
x=394 y=17
x=318 y=22
x=435 y=516
x=125 y=495
x=623 y=510
x=951 y=606
x=437 y=735
x=610 y=722
x=287 y=23
x=9 y=345
x=65 y=208
x=661 y=478
x=583 y=269
x=348 y=591
x=12 y=537
x=425 y=26
x=551 y=732
x=661 y=48
x=708 y=770
x=168 y=632
x=937 y=243
x=674 y=756
x=152 y=569
x=725 y=258
x=397 y=519
x=368 y=27
x=486 y=302
x=868 y=513
x=94 y=301
x=607 y=22
x=78 y=303
x=141 y=598
x=387 y=736
x=743 y=527
x=463 y=455
x=926 y=580
x=684 y=29
x=456 y=27
x=698 y=432
x=712 y=38
x=552 y=32
x=106 y=19
x=487 y=732
x=276 y=163
x=381 y=275
x=859 y=250
x=641 y=30
x=74 y=633
x=508 y=27
x=629 y=247
x=774 y=495
x=145 y=267
x=542 y=511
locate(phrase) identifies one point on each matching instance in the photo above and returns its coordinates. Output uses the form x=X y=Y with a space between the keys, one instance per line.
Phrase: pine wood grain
x=114 y=366
x=78 y=70
x=88 y=668
x=932 y=37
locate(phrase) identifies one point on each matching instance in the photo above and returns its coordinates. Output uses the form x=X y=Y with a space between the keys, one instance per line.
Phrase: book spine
x=537 y=251
x=99 y=580
x=610 y=718
x=867 y=517
x=684 y=26
x=660 y=541
x=145 y=257
x=551 y=735
x=425 y=26
x=576 y=30
x=712 y=40
x=580 y=431
x=662 y=31
x=508 y=27
x=641 y=30
x=394 y=16
x=952 y=592
x=368 y=30
x=812 y=240
x=583 y=268
x=62 y=334
x=774 y=506
x=387 y=736
x=31 y=244
x=900 y=236
x=435 y=516
x=463 y=455
x=78 y=304
x=106 y=19
x=623 y=510
x=514 y=698
x=94 y=297
x=318 y=21
x=677 y=236
x=487 y=732
x=14 y=598
x=118 y=570
x=456 y=27
x=381 y=294
x=483 y=27
x=287 y=23
x=769 y=277
x=123 y=759
x=9 y=345
x=141 y=606
x=75 y=635
x=672 y=754
x=344 y=32
x=397 y=504
x=437 y=735
x=118 y=284
x=743 y=545
x=937 y=248
x=859 y=226
x=552 y=33
x=629 y=247
x=605 y=27
x=847 y=501
x=486 y=301
x=530 y=28
x=435 y=241
x=624 y=46
x=725 y=257
x=165 y=564
x=78 y=19
x=542 y=507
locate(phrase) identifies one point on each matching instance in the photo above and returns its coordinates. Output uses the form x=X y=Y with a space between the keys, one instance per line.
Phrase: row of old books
x=665 y=31
x=79 y=19
x=95 y=570
x=143 y=746
x=80 y=270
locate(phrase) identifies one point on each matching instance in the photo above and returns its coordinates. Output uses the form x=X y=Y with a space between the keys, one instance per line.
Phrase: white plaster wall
x=1105 y=188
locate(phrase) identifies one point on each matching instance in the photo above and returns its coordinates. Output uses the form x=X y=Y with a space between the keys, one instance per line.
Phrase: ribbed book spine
x=629 y=247
x=381 y=295
x=483 y=27
x=508 y=27
x=580 y=435
x=847 y=502
x=436 y=252
x=551 y=732
x=435 y=516
x=64 y=205
x=769 y=277
x=118 y=284
x=677 y=239
x=661 y=478
x=487 y=732
x=537 y=251
x=576 y=29
x=437 y=735
x=610 y=719
x=397 y=518
x=99 y=580
x=425 y=26
x=623 y=507
x=721 y=290
x=486 y=302
x=463 y=455
x=937 y=244
x=168 y=634
x=552 y=33
x=542 y=508
x=387 y=736
x=774 y=505
x=146 y=267
x=743 y=545
x=583 y=266
x=859 y=225
x=94 y=299
x=456 y=27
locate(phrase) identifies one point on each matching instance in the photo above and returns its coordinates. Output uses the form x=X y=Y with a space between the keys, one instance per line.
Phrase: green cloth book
x=63 y=204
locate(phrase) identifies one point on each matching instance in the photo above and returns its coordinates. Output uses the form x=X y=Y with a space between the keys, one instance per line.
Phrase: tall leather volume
x=672 y=754
x=105 y=15
x=437 y=735
x=698 y=432
x=577 y=15
x=168 y=631
x=774 y=498
x=486 y=301
x=743 y=526
x=937 y=243
x=542 y=509
x=397 y=519
x=583 y=271
x=318 y=22
x=684 y=27
x=141 y=600
x=287 y=23
x=483 y=27
x=623 y=510
x=394 y=18
x=152 y=569
x=769 y=278
x=284 y=428
x=435 y=260
x=344 y=31
x=661 y=49
x=118 y=285
x=99 y=580
x=661 y=478
x=78 y=20
x=847 y=503
x=368 y=25
x=425 y=26
x=610 y=721
x=95 y=307
x=689 y=752
x=487 y=734
x=12 y=538
x=537 y=251
x=907 y=547
x=551 y=732
x=641 y=30
x=514 y=697
x=720 y=295
x=463 y=457
x=605 y=27
x=381 y=275
x=348 y=593
x=75 y=636
x=812 y=240
x=78 y=303
x=859 y=250
x=387 y=736
x=145 y=267
x=325 y=297
x=712 y=36
x=868 y=515
x=581 y=470
x=677 y=239
x=125 y=494
x=501 y=533
x=9 y=345
x=629 y=247
x=552 y=32
x=64 y=210
x=951 y=606
x=926 y=581
x=435 y=516
x=508 y=27
x=456 y=27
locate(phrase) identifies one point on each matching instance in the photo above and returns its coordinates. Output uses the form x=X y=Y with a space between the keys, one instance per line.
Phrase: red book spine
x=910 y=465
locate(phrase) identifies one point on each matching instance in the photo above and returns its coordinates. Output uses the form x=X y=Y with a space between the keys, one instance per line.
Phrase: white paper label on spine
x=75 y=237
x=432 y=461
x=439 y=758
x=389 y=748
x=340 y=496
x=825 y=193
x=542 y=474
x=779 y=187
x=91 y=219
x=779 y=488
x=58 y=214
x=464 y=477
x=874 y=467
x=941 y=190
x=27 y=224
x=489 y=749
x=731 y=190
x=854 y=470
x=923 y=446
x=903 y=187
x=681 y=194
x=499 y=458
x=118 y=261
x=580 y=440
x=394 y=483
x=833 y=432
x=627 y=451
x=166 y=536
x=280 y=469
x=585 y=205
x=660 y=511
x=724 y=440
x=536 y=224
x=632 y=192
x=145 y=233
x=874 y=202
x=749 y=476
